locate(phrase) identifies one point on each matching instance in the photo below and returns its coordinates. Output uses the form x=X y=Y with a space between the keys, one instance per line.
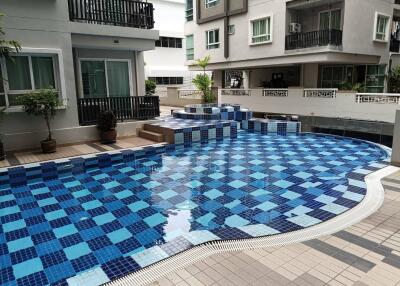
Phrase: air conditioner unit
x=294 y=28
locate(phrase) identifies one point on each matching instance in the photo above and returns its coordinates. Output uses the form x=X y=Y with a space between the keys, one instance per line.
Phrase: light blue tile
x=94 y=277
x=104 y=218
x=155 y=220
x=236 y=221
x=14 y=225
x=77 y=250
x=334 y=208
x=137 y=206
x=304 y=220
x=55 y=215
x=119 y=235
x=65 y=230
x=266 y=206
x=22 y=243
x=27 y=267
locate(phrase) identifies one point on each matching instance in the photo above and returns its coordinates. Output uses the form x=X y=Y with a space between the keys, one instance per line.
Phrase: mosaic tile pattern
x=266 y=126
x=88 y=221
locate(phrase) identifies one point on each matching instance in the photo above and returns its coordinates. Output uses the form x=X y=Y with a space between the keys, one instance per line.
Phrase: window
x=212 y=38
x=167 y=80
x=330 y=20
x=212 y=3
x=169 y=42
x=105 y=78
x=189 y=48
x=381 y=27
x=336 y=76
x=231 y=29
x=375 y=78
x=189 y=10
x=260 y=31
x=23 y=73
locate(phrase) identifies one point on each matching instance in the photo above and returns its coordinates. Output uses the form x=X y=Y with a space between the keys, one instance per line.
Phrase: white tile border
x=370 y=204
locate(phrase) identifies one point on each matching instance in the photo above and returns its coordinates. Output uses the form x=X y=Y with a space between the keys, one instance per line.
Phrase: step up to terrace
x=150 y=135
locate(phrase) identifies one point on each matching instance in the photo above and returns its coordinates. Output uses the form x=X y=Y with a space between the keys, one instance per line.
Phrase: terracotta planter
x=108 y=137
x=2 y=152
x=49 y=146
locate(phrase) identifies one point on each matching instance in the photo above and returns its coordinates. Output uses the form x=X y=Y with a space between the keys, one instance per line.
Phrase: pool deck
x=368 y=253
x=31 y=156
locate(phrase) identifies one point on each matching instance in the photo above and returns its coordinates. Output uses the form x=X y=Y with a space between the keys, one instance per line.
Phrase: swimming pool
x=118 y=213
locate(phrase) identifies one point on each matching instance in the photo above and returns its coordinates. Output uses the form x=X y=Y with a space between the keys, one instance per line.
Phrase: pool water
x=121 y=218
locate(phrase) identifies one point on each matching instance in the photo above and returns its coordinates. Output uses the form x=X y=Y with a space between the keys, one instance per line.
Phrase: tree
x=42 y=103
x=203 y=82
x=7 y=46
x=394 y=80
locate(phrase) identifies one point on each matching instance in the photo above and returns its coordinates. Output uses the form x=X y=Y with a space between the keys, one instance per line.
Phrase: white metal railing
x=277 y=92
x=235 y=92
x=320 y=92
x=190 y=93
x=383 y=98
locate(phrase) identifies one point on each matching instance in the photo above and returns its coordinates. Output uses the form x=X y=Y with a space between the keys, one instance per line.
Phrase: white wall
x=343 y=106
x=169 y=62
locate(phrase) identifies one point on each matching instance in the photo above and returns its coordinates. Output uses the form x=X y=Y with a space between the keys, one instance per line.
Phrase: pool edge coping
x=372 y=201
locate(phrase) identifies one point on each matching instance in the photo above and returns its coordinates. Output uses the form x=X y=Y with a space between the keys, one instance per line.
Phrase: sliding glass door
x=105 y=78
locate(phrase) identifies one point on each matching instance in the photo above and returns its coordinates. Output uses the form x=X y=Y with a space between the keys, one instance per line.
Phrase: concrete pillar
x=246 y=79
x=140 y=74
x=396 y=141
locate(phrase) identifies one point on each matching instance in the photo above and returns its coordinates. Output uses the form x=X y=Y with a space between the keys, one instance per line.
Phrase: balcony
x=394 y=46
x=126 y=13
x=313 y=39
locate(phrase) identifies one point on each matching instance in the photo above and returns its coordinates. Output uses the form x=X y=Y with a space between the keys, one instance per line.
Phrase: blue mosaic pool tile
x=87 y=226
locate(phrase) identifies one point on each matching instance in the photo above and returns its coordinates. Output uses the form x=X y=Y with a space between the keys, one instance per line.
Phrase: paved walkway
x=17 y=158
x=367 y=253
x=30 y=156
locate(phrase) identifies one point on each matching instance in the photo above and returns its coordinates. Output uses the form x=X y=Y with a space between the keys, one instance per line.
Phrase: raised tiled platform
x=266 y=126
x=213 y=112
x=187 y=131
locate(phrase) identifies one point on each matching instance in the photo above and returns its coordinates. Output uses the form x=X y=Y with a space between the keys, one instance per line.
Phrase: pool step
x=150 y=135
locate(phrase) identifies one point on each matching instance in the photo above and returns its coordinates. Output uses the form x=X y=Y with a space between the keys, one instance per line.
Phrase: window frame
x=211 y=3
x=58 y=75
x=189 y=56
x=167 y=80
x=387 y=28
x=81 y=92
x=330 y=18
x=189 y=11
x=214 y=45
x=168 y=40
x=271 y=29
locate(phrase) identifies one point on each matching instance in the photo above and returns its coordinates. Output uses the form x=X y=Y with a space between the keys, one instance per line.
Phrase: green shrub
x=107 y=121
x=150 y=87
x=394 y=80
x=203 y=82
x=42 y=103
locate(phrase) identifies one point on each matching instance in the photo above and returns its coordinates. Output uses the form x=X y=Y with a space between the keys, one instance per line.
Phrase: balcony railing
x=394 y=46
x=124 y=108
x=127 y=13
x=314 y=39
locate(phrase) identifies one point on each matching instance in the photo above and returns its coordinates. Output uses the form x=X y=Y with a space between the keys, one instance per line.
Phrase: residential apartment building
x=86 y=49
x=166 y=63
x=293 y=43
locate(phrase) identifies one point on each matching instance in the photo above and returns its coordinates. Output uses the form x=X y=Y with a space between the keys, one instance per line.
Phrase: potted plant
x=106 y=125
x=42 y=103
